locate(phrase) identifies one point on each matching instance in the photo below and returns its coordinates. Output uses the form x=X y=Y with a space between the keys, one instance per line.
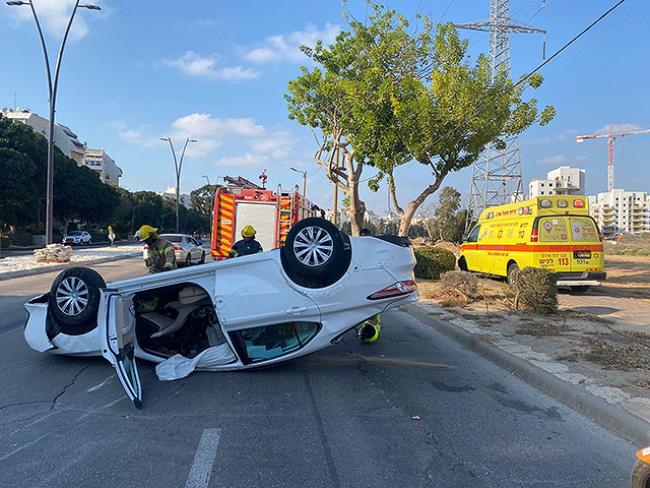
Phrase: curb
x=34 y=271
x=611 y=417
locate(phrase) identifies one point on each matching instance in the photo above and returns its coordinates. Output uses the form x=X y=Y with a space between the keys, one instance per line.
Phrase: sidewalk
x=590 y=364
x=17 y=266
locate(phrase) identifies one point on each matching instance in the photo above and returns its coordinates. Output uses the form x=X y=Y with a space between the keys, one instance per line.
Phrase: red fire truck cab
x=272 y=213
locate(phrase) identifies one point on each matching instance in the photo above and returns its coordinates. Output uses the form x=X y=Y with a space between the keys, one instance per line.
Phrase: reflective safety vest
x=160 y=256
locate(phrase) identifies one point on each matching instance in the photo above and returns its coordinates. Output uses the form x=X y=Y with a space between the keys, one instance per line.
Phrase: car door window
x=273 y=341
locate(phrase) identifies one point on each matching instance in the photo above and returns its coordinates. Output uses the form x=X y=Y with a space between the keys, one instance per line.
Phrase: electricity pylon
x=496 y=176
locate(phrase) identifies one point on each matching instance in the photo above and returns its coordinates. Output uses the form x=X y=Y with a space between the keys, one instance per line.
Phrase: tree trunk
x=407 y=216
x=357 y=207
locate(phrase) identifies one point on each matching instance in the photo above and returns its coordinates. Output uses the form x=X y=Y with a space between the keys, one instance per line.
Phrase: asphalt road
x=386 y=415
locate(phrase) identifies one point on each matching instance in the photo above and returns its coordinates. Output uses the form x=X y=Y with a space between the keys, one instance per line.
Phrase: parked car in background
x=78 y=238
x=187 y=249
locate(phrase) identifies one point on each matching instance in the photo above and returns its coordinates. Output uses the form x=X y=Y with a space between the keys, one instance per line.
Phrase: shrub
x=535 y=290
x=432 y=261
x=457 y=288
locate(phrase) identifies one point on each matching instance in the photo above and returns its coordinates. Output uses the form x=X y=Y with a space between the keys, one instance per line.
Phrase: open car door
x=118 y=341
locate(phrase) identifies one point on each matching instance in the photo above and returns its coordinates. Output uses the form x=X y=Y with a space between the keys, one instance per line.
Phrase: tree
x=447 y=217
x=16 y=187
x=202 y=199
x=350 y=99
x=447 y=121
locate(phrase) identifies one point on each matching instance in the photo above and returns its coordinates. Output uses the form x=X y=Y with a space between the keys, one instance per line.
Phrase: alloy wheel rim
x=313 y=246
x=72 y=296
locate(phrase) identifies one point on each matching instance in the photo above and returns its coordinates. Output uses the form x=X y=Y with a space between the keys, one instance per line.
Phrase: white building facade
x=170 y=194
x=561 y=181
x=98 y=160
x=621 y=212
x=66 y=140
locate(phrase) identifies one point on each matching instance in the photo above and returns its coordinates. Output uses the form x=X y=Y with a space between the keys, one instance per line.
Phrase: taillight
x=146 y=247
x=395 y=290
x=534 y=236
x=177 y=248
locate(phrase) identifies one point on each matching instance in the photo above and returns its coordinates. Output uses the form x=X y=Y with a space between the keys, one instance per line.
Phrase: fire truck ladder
x=285 y=213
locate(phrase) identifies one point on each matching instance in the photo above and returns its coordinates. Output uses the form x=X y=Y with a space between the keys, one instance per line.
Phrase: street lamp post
x=52 y=84
x=304 y=182
x=178 y=165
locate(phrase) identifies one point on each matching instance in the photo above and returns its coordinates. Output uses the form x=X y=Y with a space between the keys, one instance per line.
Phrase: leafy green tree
x=445 y=215
x=202 y=199
x=349 y=99
x=447 y=119
x=16 y=187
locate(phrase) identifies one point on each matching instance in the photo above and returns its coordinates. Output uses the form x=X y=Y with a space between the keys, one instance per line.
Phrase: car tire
x=641 y=475
x=74 y=299
x=316 y=254
x=512 y=269
x=202 y=261
x=188 y=259
x=462 y=264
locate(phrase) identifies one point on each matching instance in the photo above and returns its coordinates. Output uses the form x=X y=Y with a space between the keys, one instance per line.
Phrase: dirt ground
x=603 y=333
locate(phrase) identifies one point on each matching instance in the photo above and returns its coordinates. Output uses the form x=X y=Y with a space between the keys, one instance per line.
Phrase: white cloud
x=193 y=64
x=286 y=47
x=617 y=128
x=562 y=159
x=205 y=125
x=212 y=133
x=278 y=144
x=245 y=160
x=54 y=15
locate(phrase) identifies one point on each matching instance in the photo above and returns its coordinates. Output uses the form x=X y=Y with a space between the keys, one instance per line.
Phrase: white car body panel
x=247 y=292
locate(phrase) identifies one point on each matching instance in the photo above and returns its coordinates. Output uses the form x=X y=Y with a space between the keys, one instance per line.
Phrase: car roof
x=175 y=235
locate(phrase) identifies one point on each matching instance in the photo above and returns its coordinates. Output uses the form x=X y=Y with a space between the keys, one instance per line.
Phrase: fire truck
x=272 y=213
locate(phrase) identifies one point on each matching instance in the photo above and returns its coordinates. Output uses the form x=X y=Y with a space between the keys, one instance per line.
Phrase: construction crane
x=611 y=133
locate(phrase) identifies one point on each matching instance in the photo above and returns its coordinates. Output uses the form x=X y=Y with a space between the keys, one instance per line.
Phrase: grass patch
x=610 y=355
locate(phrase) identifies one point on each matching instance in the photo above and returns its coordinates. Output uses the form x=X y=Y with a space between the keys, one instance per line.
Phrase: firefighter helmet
x=248 y=231
x=145 y=232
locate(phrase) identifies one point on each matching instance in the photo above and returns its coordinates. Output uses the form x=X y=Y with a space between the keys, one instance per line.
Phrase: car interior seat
x=190 y=298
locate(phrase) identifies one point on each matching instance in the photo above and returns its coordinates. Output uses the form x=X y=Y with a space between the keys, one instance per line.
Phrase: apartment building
x=170 y=194
x=621 y=212
x=98 y=160
x=561 y=181
x=66 y=140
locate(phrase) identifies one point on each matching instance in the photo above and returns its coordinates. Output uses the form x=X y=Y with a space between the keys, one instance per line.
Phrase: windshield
x=75 y=233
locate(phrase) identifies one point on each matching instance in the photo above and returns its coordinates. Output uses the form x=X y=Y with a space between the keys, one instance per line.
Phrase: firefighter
x=247 y=245
x=160 y=252
x=369 y=330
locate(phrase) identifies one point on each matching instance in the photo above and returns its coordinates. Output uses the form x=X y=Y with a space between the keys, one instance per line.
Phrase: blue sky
x=218 y=70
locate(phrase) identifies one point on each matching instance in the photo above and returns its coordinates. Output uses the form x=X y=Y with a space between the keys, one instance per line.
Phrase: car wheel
x=513 y=268
x=202 y=258
x=74 y=299
x=462 y=264
x=641 y=475
x=315 y=253
x=188 y=260
x=581 y=289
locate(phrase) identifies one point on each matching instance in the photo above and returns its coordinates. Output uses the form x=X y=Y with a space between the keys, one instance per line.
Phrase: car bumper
x=580 y=279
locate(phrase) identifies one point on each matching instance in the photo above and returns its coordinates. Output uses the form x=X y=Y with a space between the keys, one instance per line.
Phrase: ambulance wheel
x=315 y=254
x=462 y=264
x=74 y=299
x=641 y=475
x=513 y=269
x=581 y=289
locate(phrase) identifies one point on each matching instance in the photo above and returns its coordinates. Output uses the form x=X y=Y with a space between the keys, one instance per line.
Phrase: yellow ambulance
x=554 y=232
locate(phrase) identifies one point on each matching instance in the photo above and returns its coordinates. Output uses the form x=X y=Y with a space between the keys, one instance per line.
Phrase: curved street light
x=52 y=84
x=178 y=166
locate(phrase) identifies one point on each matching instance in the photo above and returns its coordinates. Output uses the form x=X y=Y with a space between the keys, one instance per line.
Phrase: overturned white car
x=228 y=315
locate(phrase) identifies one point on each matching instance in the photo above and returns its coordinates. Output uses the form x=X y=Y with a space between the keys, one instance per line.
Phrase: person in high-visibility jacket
x=369 y=330
x=247 y=245
x=160 y=252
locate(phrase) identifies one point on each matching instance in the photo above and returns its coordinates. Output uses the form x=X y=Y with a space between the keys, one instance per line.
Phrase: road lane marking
x=206 y=453
x=98 y=386
x=25 y=446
